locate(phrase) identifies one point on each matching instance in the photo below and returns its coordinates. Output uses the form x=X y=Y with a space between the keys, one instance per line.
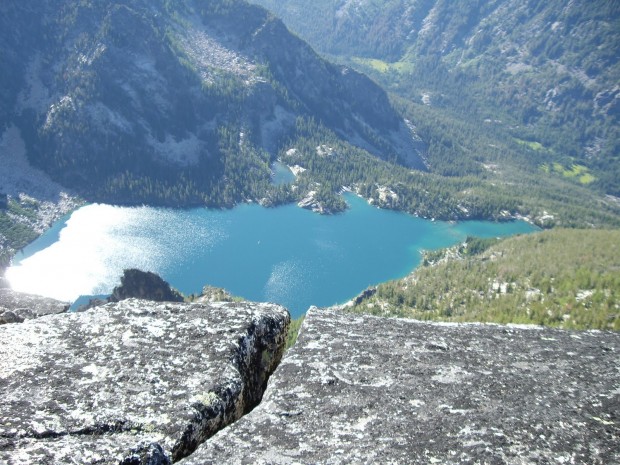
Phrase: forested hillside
x=189 y=102
x=174 y=103
x=564 y=278
x=519 y=104
x=541 y=76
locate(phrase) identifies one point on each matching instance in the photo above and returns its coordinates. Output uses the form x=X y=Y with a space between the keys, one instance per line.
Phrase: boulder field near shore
x=140 y=382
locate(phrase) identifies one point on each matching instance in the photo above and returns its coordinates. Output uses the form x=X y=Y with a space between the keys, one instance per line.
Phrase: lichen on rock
x=363 y=389
x=134 y=381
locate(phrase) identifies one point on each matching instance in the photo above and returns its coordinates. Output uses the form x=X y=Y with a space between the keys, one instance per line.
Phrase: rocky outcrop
x=362 y=389
x=309 y=202
x=215 y=294
x=132 y=382
x=144 y=285
x=15 y=307
x=138 y=284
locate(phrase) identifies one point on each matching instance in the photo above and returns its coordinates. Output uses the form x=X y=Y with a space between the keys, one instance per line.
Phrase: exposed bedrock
x=134 y=382
x=362 y=389
x=15 y=307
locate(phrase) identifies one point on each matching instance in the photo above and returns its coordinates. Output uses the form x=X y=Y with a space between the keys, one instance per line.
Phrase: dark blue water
x=286 y=255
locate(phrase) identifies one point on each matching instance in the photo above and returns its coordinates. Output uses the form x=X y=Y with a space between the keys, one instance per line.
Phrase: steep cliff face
x=342 y=98
x=548 y=71
x=172 y=102
x=132 y=382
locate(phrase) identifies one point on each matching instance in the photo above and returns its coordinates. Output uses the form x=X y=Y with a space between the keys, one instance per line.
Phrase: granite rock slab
x=16 y=307
x=134 y=382
x=363 y=389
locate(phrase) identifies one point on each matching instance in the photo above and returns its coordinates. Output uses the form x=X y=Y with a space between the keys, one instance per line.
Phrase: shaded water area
x=282 y=174
x=286 y=255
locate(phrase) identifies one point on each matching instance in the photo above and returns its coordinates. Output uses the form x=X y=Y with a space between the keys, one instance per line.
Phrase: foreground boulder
x=362 y=389
x=15 y=307
x=132 y=382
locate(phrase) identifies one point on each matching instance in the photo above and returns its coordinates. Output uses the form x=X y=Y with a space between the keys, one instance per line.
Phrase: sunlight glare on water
x=99 y=241
x=286 y=280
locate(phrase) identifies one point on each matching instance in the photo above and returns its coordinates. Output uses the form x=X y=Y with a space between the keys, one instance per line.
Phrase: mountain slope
x=565 y=278
x=174 y=103
x=545 y=74
x=188 y=102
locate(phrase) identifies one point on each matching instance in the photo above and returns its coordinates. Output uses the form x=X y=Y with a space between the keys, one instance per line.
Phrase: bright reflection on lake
x=286 y=255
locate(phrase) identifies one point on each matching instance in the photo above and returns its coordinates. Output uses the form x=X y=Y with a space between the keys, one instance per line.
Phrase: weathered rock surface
x=16 y=307
x=362 y=389
x=132 y=382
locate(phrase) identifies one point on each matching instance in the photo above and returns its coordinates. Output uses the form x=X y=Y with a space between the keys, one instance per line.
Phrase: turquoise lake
x=286 y=255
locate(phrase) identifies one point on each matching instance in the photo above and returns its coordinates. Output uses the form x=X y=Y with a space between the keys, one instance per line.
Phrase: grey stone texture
x=363 y=389
x=134 y=382
x=15 y=307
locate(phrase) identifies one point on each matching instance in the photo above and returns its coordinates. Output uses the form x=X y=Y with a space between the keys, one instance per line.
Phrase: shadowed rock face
x=361 y=389
x=144 y=285
x=15 y=307
x=132 y=382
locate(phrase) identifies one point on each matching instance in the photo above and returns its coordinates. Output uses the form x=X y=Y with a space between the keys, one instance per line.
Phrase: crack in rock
x=134 y=381
x=363 y=389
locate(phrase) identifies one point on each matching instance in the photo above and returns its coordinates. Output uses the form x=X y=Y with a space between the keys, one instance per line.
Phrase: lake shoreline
x=287 y=255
